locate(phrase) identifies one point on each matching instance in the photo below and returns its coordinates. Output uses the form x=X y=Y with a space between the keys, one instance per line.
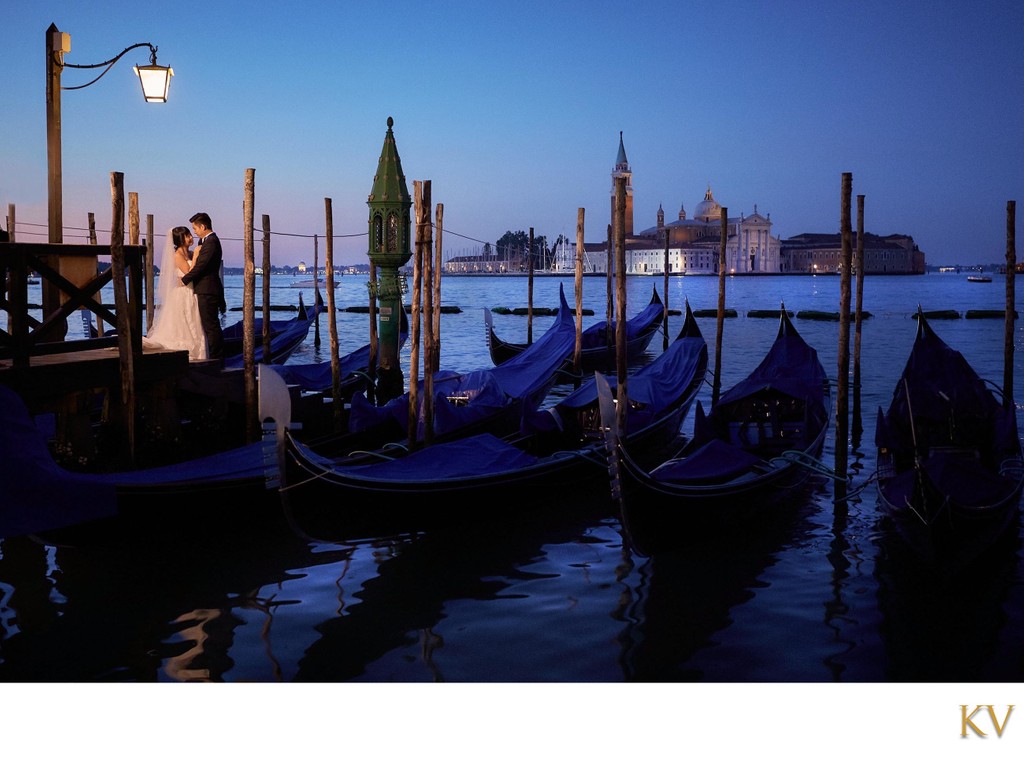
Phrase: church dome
x=708 y=210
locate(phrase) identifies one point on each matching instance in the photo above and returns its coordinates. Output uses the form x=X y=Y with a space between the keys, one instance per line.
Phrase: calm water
x=560 y=595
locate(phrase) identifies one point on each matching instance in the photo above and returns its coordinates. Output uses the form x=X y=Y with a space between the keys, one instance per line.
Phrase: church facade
x=693 y=242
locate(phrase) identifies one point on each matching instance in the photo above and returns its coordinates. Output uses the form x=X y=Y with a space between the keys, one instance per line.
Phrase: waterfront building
x=821 y=253
x=693 y=243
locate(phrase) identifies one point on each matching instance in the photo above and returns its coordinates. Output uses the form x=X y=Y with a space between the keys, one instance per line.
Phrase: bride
x=176 y=324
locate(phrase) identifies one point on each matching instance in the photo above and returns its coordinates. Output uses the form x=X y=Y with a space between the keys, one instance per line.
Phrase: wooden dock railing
x=70 y=281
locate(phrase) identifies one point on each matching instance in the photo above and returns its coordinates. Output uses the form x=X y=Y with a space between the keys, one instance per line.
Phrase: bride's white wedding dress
x=176 y=324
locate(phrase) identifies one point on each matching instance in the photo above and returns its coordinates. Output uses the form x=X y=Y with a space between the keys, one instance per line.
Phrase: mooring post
x=124 y=325
x=716 y=383
x=316 y=282
x=1011 y=313
x=253 y=425
x=426 y=281
x=266 y=289
x=858 y=424
x=529 y=291
x=150 y=278
x=337 y=405
x=622 y=394
x=843 y=370
x=577 y=351
x=435 y=347
x=414 y=326
x=664 y=318
x=609 y=301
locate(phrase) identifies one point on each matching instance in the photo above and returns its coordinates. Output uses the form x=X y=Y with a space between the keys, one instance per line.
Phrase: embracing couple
x=190 y=295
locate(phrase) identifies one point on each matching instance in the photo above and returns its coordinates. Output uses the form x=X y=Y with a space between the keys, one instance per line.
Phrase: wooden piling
x=133 y=218
x=265 y=280
x=253 y=425
x=716 y=382
x=622 y=395
x=91 y=219
x=529 y=291
x=664 y=316
x=435 y=347
x=1011 y=273
x=843 y=368
x=316 y=325
x=124 y=324
x=426 y=285
x=414 y=322
x=100 y=328
x=858 y=314
x=150 y=278
x=609 y=270
x=10 y=223
x=577 y=351
x=337 y=404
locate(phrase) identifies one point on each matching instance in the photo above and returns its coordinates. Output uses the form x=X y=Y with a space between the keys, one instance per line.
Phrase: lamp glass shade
x=156 y=80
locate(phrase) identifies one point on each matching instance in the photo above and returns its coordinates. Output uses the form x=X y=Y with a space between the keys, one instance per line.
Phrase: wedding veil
x=169 y=276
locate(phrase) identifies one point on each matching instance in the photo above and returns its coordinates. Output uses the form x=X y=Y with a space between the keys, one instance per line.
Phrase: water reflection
x=946 y=624
x=125 y=610
x=687 y=586
x=402 y=607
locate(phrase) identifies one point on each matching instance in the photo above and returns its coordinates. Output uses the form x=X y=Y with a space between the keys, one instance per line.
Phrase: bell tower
x=622 y=170
x=389 y=222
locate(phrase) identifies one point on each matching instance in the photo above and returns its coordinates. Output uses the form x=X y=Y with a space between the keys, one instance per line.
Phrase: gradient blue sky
x=513 y=112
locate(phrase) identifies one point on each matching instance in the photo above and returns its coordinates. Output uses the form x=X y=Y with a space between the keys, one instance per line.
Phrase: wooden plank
x=49 y=377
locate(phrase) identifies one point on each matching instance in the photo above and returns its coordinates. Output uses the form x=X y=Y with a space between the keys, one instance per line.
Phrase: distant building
x=693 y=244
x=821 y=253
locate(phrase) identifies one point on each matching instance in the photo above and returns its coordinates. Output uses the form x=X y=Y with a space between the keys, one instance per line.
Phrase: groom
x=205 y=276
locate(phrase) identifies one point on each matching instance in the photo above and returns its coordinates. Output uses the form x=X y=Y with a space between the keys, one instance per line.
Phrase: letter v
x=992 y=714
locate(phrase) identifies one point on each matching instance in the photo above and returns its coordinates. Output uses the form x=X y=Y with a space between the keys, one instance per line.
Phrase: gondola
x=759 y=443
x=39 y=495
x=492 y=399
x=559 y=453
x=353 y=369
x=597 y=343
x=950 y=469
x=286 y=335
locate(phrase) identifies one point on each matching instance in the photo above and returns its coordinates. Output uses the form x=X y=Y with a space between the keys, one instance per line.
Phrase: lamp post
x=155 y=82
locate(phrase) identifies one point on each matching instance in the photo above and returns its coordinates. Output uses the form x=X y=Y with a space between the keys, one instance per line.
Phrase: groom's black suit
x=209 y=290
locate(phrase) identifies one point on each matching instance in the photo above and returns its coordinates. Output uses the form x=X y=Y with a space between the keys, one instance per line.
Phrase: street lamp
x=155 y=82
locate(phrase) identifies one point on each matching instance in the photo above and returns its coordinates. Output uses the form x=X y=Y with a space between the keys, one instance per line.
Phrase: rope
x=860 y=489
x=290 y=486
x=802 y=459
x=258 y=230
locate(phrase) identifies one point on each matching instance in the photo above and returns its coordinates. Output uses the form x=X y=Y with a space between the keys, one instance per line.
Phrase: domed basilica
x=693 y=243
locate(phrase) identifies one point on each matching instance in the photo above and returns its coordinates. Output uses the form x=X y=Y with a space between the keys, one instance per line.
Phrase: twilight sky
x=513 y=112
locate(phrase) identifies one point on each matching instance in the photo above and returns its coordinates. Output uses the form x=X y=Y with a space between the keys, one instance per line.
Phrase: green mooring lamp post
x=390 y=224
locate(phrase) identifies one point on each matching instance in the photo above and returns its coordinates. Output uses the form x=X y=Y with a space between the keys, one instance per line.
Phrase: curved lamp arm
x=155 y=79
